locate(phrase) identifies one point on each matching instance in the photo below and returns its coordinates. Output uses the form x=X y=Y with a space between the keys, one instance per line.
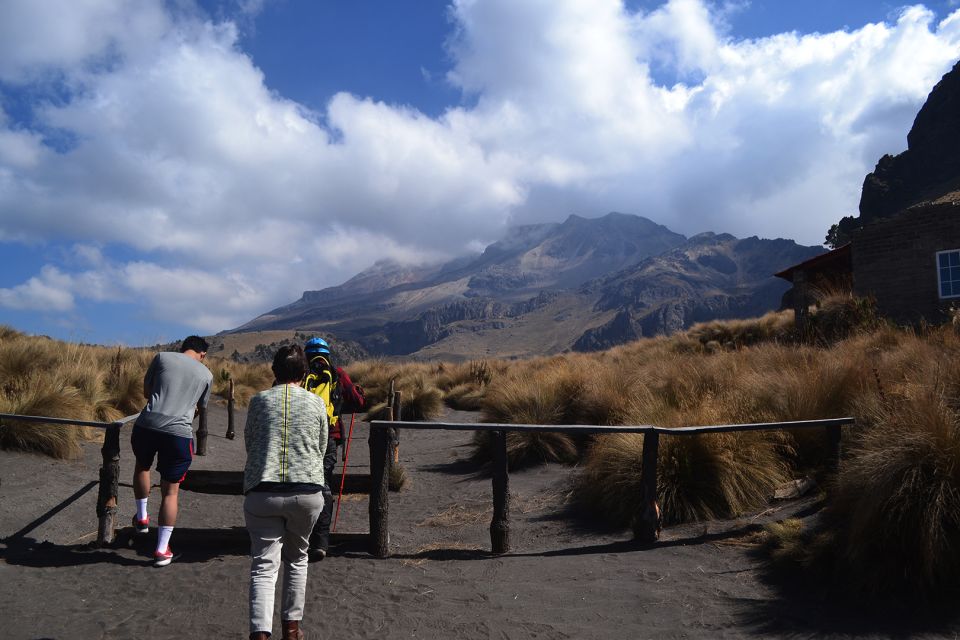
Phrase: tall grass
x=420 y=398
x=44 y=377
x=891 y=526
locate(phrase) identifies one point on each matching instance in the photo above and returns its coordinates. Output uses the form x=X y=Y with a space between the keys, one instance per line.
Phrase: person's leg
x=301 y=512
x=320 y=539
x=173 y=460
x=262 y=513
x=143 y=453
x=169 y=503
x=141 y=482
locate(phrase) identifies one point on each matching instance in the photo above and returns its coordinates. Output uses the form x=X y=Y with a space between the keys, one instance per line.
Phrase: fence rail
x=109 y=469
x=65 y=421
x=647 y=523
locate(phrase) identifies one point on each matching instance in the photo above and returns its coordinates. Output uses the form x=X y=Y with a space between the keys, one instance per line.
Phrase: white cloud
x=162 y=137
x=48 y=291
x=40 y=40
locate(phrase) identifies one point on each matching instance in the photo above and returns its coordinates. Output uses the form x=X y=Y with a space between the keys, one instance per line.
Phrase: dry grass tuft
x=465 y=397
x=40 y=376
x=699 y=477
x=248 y=379
x=840 y=315
x=892 y=526
x=399 y=478
x=52 y=399
x=420 y=400
x=776 y=326
x=527 y=448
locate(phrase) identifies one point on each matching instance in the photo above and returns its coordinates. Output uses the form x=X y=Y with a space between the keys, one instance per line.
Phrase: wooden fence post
x=109 y=482
x=395 y=433
x=500 y=524
x=646 y=526
x=202 y=433
x=833 y=447
x=231 y=433
x=379 y=442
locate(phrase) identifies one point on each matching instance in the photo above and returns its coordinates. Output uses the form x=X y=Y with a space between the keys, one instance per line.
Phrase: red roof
x=836 y=260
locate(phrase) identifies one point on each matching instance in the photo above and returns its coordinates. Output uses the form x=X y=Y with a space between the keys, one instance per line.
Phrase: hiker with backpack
x=285 y=438
x=341 y=395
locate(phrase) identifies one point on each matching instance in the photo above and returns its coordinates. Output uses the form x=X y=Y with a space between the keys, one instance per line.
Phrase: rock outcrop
x=930 y=166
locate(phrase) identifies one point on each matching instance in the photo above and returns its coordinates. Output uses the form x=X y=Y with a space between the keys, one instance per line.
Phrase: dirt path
x=562 y=580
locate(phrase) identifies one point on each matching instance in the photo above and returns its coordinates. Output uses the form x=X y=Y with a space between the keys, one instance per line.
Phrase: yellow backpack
x=322 y=380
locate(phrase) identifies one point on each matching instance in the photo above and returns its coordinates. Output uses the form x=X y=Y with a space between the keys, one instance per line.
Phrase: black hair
x=194 y=343
x=289 y=365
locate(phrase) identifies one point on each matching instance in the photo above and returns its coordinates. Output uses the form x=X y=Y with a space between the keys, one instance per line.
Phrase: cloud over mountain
x=145 y=130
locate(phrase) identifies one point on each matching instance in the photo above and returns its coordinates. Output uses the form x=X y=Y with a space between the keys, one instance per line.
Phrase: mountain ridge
x=584 y=284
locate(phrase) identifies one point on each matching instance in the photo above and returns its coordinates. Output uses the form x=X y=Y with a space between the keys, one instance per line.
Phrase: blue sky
x=169 y=167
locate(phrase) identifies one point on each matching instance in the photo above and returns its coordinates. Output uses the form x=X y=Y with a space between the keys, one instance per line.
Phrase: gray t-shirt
x=177 y=384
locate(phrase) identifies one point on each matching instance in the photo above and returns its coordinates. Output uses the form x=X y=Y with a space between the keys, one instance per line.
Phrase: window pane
x=944 y=260
x=945 y=289
x=954 y=258
x=945 y=275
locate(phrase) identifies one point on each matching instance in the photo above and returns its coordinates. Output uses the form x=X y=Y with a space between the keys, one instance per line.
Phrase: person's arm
x=353 y=397
x=204 y=397
x=149 y=376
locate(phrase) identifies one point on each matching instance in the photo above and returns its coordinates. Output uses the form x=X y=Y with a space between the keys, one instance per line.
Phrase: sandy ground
x=563 y=579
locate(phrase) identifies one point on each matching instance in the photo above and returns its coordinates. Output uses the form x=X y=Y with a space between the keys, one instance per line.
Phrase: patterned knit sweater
x=285 y=437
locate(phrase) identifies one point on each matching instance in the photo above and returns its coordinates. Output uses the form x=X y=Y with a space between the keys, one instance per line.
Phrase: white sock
x=163 y=538
x=142 y=509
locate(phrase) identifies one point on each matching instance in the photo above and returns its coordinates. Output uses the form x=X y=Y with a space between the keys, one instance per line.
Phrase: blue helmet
x=316 y=346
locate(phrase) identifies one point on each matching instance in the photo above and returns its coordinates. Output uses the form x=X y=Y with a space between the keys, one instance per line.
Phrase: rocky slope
x=582 y=284
x=927 y=170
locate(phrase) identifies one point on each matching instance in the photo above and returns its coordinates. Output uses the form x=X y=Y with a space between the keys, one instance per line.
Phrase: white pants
x=279 y=525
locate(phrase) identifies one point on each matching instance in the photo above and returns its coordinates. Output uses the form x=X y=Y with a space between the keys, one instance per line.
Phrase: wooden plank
x=586 y=428
x=66 y=421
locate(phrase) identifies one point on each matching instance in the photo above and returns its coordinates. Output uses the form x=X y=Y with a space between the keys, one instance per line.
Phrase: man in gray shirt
x=176 y=385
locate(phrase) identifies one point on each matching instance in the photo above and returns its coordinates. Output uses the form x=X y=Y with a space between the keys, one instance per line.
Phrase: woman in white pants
x=285 y=437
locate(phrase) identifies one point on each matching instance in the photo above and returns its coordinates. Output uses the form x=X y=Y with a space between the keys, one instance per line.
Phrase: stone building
x=904 y=249
x=910 y=262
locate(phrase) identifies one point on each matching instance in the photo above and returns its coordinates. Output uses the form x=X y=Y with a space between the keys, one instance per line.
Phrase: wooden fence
x=110 y=468
x=647 y=526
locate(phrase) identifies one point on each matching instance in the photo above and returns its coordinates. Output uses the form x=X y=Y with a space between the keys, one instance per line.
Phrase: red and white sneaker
x=141 y=526
x=162 y=558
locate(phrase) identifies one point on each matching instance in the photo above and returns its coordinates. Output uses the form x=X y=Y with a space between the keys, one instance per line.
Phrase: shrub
x=52 y=399
x=420 y=401
x=892 y=525
x=398 y=478
x=465 y=397
x=526 y=448
x=698 y=477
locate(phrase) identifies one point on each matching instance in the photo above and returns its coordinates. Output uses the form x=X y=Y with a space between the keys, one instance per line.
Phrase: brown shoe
x=291 y=630
x=259 y=635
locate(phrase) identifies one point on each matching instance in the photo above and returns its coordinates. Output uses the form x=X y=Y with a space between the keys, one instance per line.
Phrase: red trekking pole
x=343 y=473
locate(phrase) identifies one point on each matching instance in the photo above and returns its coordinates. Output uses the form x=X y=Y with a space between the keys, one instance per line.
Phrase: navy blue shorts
x=174 y=454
